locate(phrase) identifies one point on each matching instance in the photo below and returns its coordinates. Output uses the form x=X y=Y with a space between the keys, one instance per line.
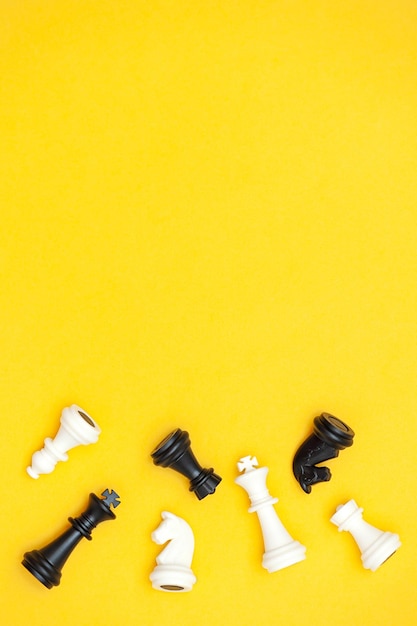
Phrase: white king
x=77 y=428
x=376 y=545
x=281 y=550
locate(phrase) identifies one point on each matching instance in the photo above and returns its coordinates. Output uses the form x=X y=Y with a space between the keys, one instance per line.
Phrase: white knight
x=173 y=570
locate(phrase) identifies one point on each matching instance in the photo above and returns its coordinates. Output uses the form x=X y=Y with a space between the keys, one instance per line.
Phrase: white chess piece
x=77 y=427
x=173 y=571
x=375 y=545
x=281 y=550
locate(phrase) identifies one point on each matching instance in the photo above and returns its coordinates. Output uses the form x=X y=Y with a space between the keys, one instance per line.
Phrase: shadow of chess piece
x=46 y=564
x=175 y=452
x=329 y=436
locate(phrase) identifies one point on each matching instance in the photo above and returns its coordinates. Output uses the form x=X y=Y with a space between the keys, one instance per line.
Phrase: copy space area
x=208 y=222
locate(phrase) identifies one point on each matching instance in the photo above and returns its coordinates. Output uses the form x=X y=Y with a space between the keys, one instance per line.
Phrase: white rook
x=77 y=428
x=281 y=550
x=375 y=545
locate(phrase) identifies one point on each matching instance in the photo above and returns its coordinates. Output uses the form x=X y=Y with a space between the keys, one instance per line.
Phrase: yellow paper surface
x=208 y=221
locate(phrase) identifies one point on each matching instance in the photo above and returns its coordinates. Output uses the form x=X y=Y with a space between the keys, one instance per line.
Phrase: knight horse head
x=330 y=435
x=180 y=548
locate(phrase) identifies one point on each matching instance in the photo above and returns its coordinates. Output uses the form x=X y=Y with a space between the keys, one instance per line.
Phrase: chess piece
x=46 y=564
x=173 y=571
x=77 y=427
x=329 y=436
x=375 y=545
x=281 y=550
x=174 y=451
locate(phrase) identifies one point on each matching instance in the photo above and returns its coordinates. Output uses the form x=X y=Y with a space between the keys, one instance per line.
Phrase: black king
x=46 y=564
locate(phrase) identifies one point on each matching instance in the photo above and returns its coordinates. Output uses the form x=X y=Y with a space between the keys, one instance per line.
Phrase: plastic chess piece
x=329 y=436
x=173 y=570
x=375 y=545
x=46 y=564
x=77 y=427
x=281 y=550
x=174 y=451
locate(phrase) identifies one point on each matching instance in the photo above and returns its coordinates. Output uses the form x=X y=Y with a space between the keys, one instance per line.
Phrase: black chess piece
x=329 y=436
x=174 y=451
x=46 y=564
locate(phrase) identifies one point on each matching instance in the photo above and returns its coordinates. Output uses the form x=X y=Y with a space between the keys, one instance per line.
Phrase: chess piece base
x=333 y=431
x=173 y=578
x=284 y=556
x=380 y=550
x=42 y=569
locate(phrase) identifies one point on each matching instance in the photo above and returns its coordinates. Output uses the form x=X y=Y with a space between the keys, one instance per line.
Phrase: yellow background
x=208 y=220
